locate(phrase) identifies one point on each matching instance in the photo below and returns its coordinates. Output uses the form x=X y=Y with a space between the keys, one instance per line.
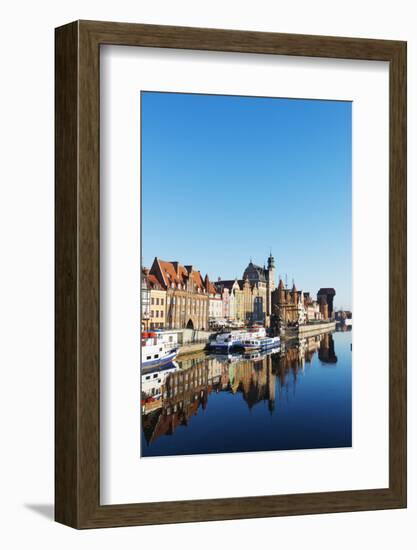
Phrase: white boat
x=263 y=343
x=225 y=341
x=155 y=352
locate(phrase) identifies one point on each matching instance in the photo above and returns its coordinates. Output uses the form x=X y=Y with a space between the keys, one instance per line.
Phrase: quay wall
x=313 y=329
x=189 y=336
x=189 y=349
x=308 y=330
x=192 y=341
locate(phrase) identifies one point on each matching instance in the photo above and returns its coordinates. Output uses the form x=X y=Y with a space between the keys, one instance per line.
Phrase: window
x=157 y=301
x=152 y=313
x=162 y=301
x=152 y=301
x=147 y=358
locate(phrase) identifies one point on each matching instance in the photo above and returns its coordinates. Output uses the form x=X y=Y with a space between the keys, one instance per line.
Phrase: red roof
x=174 y=272
x=154 y=283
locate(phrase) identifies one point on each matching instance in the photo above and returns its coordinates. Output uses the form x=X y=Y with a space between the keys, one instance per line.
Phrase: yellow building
x=157 y=307
x=240 y=305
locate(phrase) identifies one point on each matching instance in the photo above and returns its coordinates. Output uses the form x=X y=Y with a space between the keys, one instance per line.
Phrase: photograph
x=246 y=275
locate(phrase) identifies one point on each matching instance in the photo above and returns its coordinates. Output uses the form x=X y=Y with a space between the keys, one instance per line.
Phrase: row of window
x=157 y=313
x=184 y=287
x=183 y=301
x=157 y=301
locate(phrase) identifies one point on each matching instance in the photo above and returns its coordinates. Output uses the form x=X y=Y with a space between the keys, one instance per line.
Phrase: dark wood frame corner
x=77 y=472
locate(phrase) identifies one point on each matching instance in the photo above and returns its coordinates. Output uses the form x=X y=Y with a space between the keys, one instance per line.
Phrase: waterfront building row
x=176 y=296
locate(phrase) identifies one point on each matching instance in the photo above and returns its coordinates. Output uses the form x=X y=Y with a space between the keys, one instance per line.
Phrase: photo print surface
x=246 y=274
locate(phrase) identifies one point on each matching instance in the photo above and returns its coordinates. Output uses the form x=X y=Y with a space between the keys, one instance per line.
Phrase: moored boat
x=263 y=343
x=155 y=352
x=226 y=341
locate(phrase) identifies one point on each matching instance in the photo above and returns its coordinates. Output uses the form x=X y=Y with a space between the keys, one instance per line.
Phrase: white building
x=215 y=312
x=301 y=310
x=313 y=312
x=215 y=307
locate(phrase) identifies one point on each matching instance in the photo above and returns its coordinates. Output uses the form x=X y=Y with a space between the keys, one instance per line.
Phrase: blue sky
x=227 y=178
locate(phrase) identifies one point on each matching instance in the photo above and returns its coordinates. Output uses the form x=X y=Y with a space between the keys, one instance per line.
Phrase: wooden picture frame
x=77 y=382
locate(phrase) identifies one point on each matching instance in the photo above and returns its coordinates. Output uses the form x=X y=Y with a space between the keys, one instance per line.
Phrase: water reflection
x=326 y=349
x=172 y=396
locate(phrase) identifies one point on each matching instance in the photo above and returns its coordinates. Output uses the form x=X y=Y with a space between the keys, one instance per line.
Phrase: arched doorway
x=190 y=324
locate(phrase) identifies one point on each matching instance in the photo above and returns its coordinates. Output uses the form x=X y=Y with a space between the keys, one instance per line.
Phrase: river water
x=296 y=397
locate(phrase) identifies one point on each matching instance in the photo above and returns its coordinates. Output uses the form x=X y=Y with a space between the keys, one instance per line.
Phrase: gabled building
x=262 y=281
x=145 y=297
x=288 y=304
x=158 y=298
x=312 y=309
x=227 y=290
x=187 y=299
x=215 y=301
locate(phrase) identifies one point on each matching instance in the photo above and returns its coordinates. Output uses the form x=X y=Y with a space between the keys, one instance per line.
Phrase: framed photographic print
x=230 y=274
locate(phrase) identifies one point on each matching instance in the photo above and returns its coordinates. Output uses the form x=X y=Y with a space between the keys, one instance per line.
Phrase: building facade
x=227 y=291
x=158 y=298
x=262 y=281
x=312 y=309
x=249 y=300
x=325 y=299
x=294 y=306
x=187 y=300
x=286 y=304
x=215 y=302
x=145 y=297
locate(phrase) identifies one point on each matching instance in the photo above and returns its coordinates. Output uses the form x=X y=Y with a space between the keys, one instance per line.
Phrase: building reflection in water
x=326 y=349
x=170 y=397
